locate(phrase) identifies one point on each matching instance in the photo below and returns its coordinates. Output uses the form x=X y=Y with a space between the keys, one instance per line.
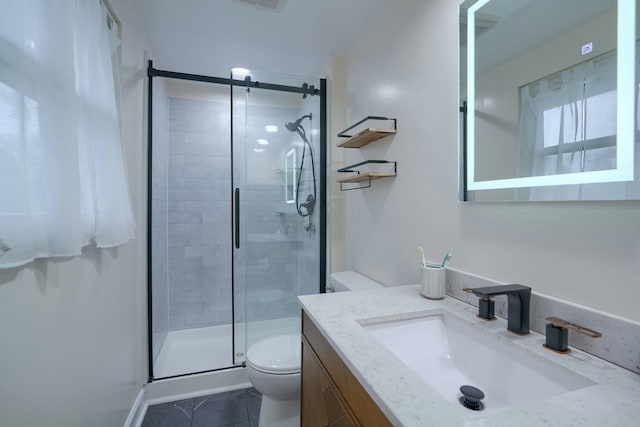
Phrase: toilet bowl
x=273 y=367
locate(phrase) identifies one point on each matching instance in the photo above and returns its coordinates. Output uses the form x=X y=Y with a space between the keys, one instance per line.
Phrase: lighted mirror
x=290 y=176
x=548 y=94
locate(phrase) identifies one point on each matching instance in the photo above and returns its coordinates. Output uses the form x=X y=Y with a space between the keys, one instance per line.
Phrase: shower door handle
x=237 y=218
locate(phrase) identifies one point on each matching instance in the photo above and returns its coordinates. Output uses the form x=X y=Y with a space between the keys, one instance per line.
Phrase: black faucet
x=518 y=300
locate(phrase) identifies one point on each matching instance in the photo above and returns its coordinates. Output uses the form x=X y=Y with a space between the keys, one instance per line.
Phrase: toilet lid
x=280 y=354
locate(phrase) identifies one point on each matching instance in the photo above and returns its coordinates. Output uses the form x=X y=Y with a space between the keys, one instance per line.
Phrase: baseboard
x=162 y=391
x=138 y=410
x=199 y=393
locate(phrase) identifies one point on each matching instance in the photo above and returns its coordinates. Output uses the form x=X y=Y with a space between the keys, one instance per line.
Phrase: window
x=62 y=172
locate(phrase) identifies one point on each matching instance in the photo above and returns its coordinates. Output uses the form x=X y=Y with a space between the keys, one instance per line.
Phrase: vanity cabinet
x=331 y=395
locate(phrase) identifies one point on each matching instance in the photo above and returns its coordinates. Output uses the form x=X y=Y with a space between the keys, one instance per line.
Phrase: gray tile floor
x=239 y=408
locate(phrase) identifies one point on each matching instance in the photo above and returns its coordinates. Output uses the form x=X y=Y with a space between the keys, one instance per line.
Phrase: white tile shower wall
x=199 y=222
x=159 y=235
x=199 y=217
x=271 y=255
x=619 y=343
x=274 y=231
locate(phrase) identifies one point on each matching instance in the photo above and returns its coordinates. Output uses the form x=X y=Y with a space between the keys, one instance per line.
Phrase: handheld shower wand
x=310 y=203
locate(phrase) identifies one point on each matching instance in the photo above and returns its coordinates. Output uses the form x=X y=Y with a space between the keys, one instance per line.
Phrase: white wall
x=72 y=331
x=404 y=65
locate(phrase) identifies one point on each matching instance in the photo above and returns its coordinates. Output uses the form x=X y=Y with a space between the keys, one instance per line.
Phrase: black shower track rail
x=305 y=89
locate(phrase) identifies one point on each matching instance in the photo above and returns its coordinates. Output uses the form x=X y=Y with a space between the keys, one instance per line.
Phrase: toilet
x=273 y=367
x=273 y=364
x=344 y=281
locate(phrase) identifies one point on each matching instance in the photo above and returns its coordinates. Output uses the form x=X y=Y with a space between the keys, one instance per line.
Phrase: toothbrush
x=447 y=257
x=421 y=252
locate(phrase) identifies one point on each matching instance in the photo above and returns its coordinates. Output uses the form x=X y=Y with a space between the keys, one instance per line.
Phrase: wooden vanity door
x=322 y=405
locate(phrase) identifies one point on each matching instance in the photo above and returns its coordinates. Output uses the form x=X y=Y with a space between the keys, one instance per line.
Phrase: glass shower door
x=276 y=180
x=191 y=218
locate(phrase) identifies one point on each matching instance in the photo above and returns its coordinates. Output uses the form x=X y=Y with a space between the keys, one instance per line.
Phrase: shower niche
x=231 y=243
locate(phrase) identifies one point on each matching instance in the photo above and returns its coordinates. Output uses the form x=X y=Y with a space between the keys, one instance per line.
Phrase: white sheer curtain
x=62 y=171
x=567 y=125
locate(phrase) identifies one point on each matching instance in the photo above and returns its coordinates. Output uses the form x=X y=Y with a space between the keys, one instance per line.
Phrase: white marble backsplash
x=620 y=340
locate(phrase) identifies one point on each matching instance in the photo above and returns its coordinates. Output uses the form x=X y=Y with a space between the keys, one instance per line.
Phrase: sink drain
x=471 y=397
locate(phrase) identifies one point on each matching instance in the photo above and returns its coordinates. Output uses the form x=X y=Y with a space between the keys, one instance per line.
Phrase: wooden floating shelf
x=362 y=138
x=366 y=136
x=366 y=176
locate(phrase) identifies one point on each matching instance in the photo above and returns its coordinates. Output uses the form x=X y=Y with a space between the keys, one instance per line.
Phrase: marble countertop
x=408 y=400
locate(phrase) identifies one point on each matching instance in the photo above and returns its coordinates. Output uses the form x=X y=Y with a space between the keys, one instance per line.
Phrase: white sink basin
x=447 y=352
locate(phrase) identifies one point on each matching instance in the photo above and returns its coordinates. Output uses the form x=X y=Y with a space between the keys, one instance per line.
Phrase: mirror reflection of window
x=568 y=121
x=568 y=125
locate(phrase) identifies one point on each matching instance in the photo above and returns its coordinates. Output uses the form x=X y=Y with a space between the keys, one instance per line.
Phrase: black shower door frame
x=304 y=90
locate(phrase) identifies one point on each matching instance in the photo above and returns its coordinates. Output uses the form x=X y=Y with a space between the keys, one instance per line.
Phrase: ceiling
x=525 y=24
x=211 y=36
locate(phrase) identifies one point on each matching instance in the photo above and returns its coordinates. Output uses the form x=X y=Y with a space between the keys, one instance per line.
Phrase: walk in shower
x=237 y=213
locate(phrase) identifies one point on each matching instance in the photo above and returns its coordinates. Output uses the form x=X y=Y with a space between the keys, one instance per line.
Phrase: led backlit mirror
x=549 y=96
x=290 y=176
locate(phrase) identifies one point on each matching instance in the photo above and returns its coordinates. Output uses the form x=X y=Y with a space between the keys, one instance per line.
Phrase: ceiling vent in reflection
x=273 y=5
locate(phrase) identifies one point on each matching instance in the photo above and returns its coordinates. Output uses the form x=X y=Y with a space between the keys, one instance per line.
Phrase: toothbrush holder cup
x=432 y=281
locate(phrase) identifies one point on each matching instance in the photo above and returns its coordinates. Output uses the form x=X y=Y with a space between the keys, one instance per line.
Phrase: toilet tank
x=350 y=281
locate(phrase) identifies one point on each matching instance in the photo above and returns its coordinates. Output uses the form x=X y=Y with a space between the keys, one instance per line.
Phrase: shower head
x=293 y=126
